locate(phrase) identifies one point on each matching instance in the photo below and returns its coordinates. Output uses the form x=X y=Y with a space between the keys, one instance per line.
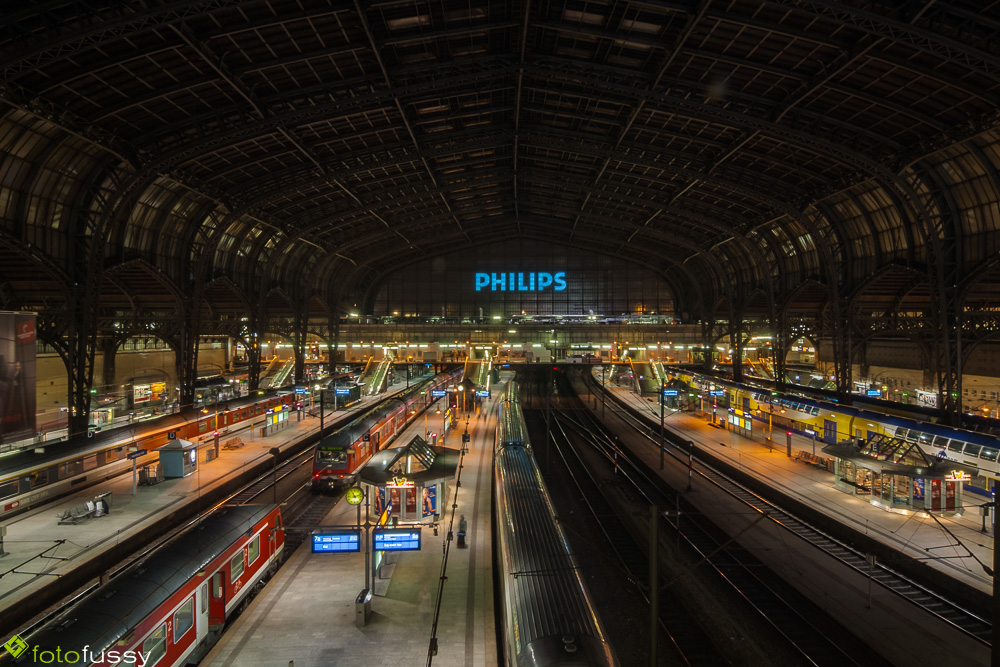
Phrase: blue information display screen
x=716 y=392
x=332 y=541
x=670 y=392
x=483 y=393
x=438 y=392
x=874 y=392
x=343 y=391
x=396 y=540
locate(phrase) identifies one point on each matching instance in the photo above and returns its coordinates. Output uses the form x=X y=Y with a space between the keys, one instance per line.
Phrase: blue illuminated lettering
x=520 y=282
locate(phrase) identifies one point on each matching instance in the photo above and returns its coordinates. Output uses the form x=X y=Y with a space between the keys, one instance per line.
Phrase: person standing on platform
x=462 y=526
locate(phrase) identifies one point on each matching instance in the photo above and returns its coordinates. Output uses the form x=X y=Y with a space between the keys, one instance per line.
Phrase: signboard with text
x=336 y=541
x=396 y=539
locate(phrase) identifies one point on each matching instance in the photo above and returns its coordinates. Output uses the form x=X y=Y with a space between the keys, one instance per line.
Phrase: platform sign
x=136 y=454
x=438 y=393
x=483 y=393
x=670 y=392
x=873 y=392
x=716 y=392
x=335 y=541
x=343 y=391
x=301 y=390
x=397 y=539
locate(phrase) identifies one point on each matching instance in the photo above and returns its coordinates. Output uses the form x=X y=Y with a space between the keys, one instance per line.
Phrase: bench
x=808 y=457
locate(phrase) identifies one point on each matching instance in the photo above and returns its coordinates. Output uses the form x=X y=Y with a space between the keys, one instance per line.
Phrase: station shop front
x=899 y=475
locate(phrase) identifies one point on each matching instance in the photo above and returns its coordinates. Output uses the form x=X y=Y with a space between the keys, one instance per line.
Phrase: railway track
x=931 y=601
x=804 y=627
x=690 y=642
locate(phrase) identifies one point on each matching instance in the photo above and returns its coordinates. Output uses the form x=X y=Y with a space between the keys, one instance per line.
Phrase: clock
x=354 y=495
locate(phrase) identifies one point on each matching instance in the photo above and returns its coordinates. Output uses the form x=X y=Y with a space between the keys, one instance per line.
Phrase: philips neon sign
x=521 y=282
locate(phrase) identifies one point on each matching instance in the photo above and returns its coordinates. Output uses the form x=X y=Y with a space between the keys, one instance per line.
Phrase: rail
x=934 y=602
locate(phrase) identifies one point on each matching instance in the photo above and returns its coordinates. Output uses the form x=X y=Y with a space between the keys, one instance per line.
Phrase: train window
x=112 y=454
x=988 y=454
x=236 y=566
x=253 y=550
x=8 y=489
x=243 y=413
x=183 y=619
x=328 y=456
x=90 y=462
x=955 y=445
x=940 y=441
x=40 y=478
x=972 y=450
x=204 y=598
x=901 y=433
x=155 y=646
x=71 y=468
x=217 y=585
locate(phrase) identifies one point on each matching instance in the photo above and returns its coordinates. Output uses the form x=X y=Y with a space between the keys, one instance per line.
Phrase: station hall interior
x=779 y=220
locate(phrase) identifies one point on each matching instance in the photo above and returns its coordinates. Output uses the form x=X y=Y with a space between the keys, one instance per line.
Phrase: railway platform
x=913 y=533
x=307 y=614
x=40 y=549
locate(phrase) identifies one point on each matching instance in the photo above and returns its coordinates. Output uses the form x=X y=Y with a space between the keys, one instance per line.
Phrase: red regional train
x=169 y=608
x=38 y=475
x=341 y=454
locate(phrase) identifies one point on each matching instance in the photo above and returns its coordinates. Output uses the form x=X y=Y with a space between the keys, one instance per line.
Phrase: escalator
x=280 y=377
x=373 y=378
x=644 y=376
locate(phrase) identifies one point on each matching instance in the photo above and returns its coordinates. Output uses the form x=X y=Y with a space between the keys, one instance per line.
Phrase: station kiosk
x=178 y=458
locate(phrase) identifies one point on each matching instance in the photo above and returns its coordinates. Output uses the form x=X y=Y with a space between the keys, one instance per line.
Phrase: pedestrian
x=462 y=526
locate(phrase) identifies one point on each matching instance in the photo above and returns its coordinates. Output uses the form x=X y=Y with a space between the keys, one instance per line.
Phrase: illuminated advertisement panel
x=17 y=376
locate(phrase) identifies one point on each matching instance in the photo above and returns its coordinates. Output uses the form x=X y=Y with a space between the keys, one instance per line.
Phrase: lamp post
x=274 y=451
x=322 y=409
x=216 y=423
x=604 y=389
x=663 y=389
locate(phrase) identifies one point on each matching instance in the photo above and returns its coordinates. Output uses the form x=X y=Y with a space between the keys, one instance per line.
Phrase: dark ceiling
x=737 y=146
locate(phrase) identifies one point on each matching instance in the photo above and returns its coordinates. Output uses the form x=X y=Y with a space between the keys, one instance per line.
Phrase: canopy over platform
x=892 y=455
x=419 y=462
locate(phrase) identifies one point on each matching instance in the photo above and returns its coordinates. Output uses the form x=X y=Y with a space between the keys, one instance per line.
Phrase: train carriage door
x=830 y=431
x=201 y=605
x=217 y=599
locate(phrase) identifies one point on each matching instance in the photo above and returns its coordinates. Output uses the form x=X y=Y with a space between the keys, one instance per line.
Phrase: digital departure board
x=397 y=539
x=336 y=541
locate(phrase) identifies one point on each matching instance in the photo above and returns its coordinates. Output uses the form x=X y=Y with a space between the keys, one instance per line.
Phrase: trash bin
x=362 y=607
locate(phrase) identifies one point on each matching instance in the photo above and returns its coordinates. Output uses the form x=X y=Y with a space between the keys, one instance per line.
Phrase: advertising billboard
x=17 y=376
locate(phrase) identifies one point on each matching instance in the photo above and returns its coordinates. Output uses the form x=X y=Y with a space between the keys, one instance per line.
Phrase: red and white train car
x=37 y=475
x=170 y=608
x=341 y=454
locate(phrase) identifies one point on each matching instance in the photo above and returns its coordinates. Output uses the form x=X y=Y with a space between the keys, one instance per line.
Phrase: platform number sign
x=172 y=435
